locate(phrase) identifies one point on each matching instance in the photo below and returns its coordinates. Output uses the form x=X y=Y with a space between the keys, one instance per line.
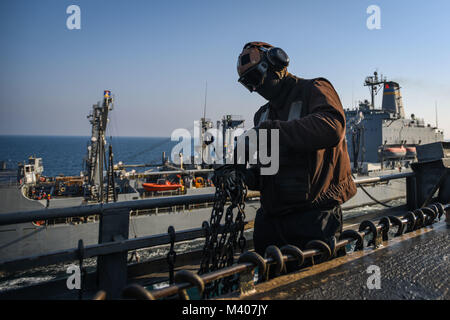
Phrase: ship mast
x=96 y=158
x=374 y=83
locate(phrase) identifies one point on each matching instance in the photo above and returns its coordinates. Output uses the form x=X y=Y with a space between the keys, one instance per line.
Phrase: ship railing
x=173 y=209
x=114 y=243
x=88 y=210
x=95 y=250
x=379 y=179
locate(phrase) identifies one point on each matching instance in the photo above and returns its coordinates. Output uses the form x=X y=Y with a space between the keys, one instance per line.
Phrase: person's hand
x=223 y=174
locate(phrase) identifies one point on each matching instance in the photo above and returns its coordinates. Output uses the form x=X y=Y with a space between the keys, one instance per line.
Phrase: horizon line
x=72 y=136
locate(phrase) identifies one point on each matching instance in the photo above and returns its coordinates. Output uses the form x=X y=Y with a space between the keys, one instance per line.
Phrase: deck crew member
x=301 y=202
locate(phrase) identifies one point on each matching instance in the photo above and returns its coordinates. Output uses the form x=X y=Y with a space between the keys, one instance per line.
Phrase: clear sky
x=157 y=55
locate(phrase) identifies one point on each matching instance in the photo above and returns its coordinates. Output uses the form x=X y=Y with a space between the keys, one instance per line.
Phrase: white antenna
x=353 y=97
x=206 y=92
x=435 y=108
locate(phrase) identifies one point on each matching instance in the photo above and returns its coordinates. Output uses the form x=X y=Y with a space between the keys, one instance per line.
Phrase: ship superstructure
x=386 y=134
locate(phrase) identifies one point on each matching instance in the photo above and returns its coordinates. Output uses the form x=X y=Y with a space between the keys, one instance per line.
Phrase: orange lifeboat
x=394 y=152
x=161 y=185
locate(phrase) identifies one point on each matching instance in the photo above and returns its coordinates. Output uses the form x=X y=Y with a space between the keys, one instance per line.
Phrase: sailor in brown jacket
x=301 y=202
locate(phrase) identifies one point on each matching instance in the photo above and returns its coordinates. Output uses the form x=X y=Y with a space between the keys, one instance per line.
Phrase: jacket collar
x=287 y=84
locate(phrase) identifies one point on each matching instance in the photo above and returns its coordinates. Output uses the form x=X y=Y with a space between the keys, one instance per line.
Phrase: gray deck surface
x=415 y=268
x=12 y=200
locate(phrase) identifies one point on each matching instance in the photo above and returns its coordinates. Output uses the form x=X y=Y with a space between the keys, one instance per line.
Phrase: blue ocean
x=65 y=154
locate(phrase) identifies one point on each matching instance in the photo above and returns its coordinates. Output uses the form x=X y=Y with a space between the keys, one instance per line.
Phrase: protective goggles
x=252 y=67
x=254 y=77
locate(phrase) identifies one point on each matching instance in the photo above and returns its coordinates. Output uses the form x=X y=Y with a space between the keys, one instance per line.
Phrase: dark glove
x=224 y=173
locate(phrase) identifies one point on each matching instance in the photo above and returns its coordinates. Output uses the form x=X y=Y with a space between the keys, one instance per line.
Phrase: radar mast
x=375 y=84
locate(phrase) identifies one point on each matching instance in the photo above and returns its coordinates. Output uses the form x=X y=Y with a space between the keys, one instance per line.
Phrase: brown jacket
x=314 y=163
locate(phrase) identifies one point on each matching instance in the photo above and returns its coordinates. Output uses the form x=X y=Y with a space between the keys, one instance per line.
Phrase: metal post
x=411 y=192
x=112 y=268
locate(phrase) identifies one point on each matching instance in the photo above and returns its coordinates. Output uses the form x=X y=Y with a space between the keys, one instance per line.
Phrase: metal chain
x=221 y=241
x=171 y=255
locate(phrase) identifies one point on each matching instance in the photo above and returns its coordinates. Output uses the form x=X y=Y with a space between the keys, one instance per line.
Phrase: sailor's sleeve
x=323 y=126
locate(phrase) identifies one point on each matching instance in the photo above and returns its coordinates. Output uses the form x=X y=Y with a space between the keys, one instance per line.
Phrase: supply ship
x=104 y=216
x=385 y=138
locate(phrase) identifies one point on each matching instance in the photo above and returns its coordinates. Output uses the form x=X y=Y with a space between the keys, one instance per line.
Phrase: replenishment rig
x=409 y=243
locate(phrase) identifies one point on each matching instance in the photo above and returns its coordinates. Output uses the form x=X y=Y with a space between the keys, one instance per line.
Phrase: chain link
x=171 y=255
x=221 y=241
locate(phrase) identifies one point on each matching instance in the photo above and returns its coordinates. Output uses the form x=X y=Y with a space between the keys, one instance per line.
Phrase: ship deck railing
x=114 y=245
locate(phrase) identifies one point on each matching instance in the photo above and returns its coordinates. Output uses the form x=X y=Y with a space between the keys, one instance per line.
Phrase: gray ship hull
x=25 y=239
